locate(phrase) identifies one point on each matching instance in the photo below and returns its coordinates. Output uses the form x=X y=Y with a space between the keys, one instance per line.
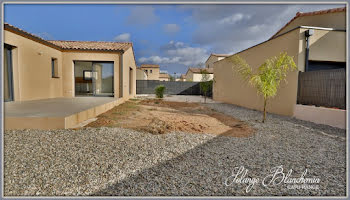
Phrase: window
x=131 y=85
x=150 y=71
x=87 y=75
x=146 y=71
x=8 y=84
x=54 y=68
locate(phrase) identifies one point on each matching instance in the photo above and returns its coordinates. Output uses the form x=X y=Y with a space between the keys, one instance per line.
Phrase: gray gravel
x=114 y=161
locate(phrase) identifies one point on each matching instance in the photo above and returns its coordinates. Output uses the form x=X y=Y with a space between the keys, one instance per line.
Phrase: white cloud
x=171 y=28
x=125 y=37
x=232 y=19
x=142 y=15
x=232 y=28
x=178 y=53
x=159 y=60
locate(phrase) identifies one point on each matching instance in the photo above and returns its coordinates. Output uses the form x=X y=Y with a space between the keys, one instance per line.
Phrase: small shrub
x=160 y=89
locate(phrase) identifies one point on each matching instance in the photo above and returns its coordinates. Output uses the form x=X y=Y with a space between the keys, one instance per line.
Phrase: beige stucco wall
x=210 y=62
x=327 y=46
x=152 y=76
x=163 y=79
x=330 y=20
x=323 y=46
x=140 y=74
x=32 y=69
x=321 y=115
x=68 y=71
x=190 y=76
x=230 y=88
x=129 y=62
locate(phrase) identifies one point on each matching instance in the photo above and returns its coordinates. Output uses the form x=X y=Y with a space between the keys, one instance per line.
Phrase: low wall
x=172 y=87
x=320 y=115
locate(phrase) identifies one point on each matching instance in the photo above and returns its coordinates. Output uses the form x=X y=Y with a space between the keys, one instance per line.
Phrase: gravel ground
x=114 y=161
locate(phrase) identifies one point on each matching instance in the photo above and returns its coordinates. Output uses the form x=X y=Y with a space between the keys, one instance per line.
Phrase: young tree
x=205 y=84
x=171 y=78
x=269 y=76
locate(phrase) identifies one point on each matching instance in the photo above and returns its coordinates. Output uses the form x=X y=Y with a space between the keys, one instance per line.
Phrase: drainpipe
x=308 y=33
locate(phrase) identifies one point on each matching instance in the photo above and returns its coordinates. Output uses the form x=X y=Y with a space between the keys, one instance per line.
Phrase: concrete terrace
x=56 y=112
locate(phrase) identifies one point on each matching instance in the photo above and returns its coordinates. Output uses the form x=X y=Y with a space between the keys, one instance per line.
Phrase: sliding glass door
x=8 y=82
x=94 y=78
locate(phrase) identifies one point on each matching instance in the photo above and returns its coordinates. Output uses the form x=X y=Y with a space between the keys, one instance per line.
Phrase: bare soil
x=159 y=117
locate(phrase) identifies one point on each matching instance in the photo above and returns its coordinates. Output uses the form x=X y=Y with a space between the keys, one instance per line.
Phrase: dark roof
x=320 y=12
x=198 y=70
x=72 y=45
x=149 y=66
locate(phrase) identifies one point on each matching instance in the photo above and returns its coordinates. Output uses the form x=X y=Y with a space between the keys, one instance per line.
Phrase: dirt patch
x=159 y=117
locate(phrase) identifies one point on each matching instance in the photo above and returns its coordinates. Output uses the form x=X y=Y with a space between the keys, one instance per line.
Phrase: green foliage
x=269 y=75
x=159 y=91
x=171 y=78
x=205 y=84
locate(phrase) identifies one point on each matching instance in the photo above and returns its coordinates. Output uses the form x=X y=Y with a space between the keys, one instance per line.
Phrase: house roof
x=198 y=70
x=164 y=75
x=217 y=55
x=149 y=66
x=92 y=45
x=72 y=45
x=220 y=55
x=320 y=12
x=26 y=34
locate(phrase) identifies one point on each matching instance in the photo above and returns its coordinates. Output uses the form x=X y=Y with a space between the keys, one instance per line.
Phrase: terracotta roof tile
x=92 y=45
x=73 y=45
x=163 y=75
x=198 y=70
x=320 y=12
x=149 y=66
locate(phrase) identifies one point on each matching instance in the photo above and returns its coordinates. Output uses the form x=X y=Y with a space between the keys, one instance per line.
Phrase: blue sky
x=173 y=36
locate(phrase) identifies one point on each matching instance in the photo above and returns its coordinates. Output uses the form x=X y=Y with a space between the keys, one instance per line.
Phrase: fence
x=172 y=87
x=322 y=88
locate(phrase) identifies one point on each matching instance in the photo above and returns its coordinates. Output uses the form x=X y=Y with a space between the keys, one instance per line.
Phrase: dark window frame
x=54 y=65
x=9 y=66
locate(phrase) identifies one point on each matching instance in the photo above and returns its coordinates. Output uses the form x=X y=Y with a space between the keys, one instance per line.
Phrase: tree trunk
x=264 y=117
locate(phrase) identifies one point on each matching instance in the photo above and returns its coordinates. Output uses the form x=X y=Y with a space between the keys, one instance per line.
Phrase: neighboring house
x=39 y=69
x=182 y=77
x=195 y=74
x=213 y=58
x=326 y=32
x=164 y=77
x=140 y=74
x=151 y=70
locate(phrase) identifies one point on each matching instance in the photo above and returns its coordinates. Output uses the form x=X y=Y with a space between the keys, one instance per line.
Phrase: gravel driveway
x=114 y=161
